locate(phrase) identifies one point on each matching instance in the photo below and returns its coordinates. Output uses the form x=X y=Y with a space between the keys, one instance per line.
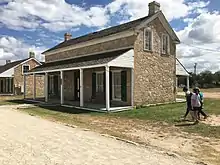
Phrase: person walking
x=196 y=104
x=202 y=103
x=188 y=96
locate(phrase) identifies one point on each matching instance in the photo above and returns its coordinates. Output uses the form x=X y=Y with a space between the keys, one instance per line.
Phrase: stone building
x=12 y=77
x=116 y=68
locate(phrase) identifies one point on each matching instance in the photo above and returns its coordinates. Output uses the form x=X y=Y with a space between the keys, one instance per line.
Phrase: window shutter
x=48 y=85
x=110 y=84
x=124 y=85
x=104 y=86
x=93 y=85
x=55 y=84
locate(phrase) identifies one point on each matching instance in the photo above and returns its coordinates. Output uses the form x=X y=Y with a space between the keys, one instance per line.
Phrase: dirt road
x=210 y=95
x=30 y=140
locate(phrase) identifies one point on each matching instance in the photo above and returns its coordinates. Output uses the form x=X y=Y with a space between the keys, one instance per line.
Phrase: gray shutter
x=93 y=85
x=124 y=85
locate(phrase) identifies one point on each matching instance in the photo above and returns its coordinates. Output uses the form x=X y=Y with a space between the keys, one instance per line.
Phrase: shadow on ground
x=52 y=107
x=184 y=124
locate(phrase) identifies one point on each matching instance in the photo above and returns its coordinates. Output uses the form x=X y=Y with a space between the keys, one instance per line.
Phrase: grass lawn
x=156 y=114
x=172 y=112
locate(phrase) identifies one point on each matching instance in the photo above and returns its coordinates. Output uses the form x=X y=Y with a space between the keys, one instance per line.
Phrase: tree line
x=205 y=79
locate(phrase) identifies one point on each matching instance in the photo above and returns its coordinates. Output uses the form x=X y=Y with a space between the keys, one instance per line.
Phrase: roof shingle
x=99 y=34
x=10 y=65
x=81 y=61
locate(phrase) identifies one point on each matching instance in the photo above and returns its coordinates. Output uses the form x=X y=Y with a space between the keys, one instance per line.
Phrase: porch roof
x=98 y=59
x=180 y=69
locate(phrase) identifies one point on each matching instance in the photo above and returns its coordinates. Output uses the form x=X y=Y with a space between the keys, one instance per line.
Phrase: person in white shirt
x=196 y=104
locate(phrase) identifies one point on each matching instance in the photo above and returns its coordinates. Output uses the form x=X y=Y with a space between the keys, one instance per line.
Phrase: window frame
x=151 y=42
x=97 y=85
x=168 y=44
x=23 y=68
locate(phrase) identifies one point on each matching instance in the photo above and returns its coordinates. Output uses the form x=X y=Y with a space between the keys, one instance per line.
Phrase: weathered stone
x=19 y=80
x=154 y=73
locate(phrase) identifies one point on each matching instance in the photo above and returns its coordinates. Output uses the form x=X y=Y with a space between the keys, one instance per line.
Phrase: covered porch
x=181 y=72
x=6 y=85
x=102 y=82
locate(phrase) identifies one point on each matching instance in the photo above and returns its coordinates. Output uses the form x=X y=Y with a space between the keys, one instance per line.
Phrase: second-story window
x=148 y=39
x=165 y=44
x=25 y=68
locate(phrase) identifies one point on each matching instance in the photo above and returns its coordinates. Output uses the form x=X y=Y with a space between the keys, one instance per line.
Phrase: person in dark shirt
x=188 y=95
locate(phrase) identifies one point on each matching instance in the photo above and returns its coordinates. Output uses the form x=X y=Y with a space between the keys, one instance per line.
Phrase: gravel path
x=28 y=140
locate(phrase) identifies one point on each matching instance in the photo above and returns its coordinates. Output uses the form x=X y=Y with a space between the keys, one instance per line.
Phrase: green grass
x=170 y=114
x=167 y=113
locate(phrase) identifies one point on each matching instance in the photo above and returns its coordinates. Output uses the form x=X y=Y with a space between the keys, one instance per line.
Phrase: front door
x=76 y=86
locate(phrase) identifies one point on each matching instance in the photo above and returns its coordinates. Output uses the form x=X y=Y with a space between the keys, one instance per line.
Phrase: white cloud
x=201 y=40
x=55 y=15
x=58 y=15
x=173 y=9
x=15 y=49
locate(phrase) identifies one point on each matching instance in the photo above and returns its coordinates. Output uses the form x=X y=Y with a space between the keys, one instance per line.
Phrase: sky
x=36 y=25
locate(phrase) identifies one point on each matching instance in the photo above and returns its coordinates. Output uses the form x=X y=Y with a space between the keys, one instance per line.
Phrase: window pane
x=148 y=38
x=165 y=40
x=25 y=69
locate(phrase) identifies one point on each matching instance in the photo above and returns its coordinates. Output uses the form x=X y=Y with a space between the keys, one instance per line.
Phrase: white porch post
x=24 y=86
x=61 y=88
x=187 y=82
x=81 y=88
x=46 y=87
x=34 y=86
x=107 y=88
x=132 y=87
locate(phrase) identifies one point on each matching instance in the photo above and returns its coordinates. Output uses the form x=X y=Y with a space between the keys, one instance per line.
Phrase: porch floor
x=76 y=104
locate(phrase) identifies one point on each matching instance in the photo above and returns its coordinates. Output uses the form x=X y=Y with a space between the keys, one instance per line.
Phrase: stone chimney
x=154 y=7
x=67 y=36
x=8 y=61
x=31 y=55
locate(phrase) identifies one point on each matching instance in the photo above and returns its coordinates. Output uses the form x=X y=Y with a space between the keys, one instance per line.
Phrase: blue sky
x=38 y=25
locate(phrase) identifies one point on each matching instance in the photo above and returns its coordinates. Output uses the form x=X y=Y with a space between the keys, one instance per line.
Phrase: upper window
x=165 y=44
x=148 y=39
x=99 y=82
x=26 y=68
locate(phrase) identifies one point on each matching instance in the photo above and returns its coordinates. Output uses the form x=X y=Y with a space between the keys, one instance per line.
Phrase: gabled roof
x=101 y=33
x=97 y=59
x=180 y=69
x=11 y=65
x=117 y=29
x=8 y=66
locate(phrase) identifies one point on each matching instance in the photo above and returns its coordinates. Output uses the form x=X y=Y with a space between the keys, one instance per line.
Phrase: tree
x=206 y=79
x=217 y=78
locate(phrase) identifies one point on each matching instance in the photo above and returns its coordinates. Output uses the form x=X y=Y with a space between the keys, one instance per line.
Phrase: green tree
x=217 y=78
x=206 y=79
